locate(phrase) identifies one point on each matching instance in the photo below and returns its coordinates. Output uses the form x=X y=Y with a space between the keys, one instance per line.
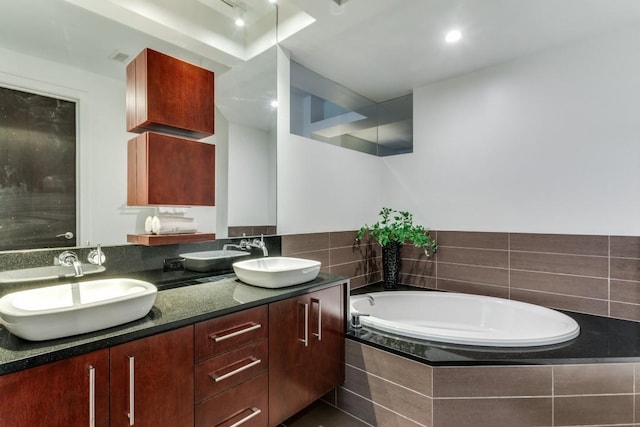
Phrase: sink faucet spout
x=77 y=268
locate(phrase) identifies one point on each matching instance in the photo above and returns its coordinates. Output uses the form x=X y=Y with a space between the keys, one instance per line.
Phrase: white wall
x=547 y=143
x=321 y=187
x=251 y=183
x=104 y=216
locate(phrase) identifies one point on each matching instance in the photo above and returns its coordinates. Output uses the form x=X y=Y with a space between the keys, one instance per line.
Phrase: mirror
x=59 y=47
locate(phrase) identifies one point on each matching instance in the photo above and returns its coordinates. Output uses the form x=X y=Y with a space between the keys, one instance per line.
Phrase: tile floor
x=321 y=414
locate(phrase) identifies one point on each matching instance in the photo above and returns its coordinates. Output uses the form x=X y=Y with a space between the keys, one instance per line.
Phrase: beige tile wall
x=588 y=274
x=384 y=389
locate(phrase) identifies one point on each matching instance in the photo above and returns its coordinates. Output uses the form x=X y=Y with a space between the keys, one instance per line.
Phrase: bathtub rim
x=604 y=340
x=410 y=331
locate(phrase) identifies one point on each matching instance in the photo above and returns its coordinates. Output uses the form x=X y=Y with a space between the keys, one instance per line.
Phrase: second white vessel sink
x=276 y=272
x=75 y=308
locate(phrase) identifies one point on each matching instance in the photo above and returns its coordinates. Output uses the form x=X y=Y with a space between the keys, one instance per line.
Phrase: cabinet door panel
x=327 y=339
x=158 y=370
x=288 y=367
x=57 y=394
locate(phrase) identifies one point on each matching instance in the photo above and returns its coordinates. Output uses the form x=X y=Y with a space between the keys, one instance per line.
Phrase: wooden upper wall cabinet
x=168 y=170
x=168 y=95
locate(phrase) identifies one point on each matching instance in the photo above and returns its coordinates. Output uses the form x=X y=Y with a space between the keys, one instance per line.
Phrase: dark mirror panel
x=37 y=171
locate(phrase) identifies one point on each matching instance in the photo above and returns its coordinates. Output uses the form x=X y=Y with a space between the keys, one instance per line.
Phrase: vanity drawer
x=220 y=373
x=217 y=336
x=247 y=401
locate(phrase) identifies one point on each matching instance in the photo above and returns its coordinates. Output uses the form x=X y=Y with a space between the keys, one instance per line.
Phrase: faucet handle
x=355 y=319
x=66 y=259
x=96 y=256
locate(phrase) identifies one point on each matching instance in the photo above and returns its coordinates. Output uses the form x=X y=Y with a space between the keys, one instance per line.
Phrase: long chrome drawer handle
x=92 y=396
x=132 y=387
x=253 y=327
x=319 y=333
x=305 y=340
x=254 y=413
x=254 y=362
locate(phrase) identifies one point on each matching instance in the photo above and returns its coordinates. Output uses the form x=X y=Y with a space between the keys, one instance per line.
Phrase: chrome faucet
x=70 y=259
x=261 y=245
x=246 y=245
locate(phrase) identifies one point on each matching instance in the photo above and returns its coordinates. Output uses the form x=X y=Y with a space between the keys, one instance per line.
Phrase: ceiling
x=381 y=49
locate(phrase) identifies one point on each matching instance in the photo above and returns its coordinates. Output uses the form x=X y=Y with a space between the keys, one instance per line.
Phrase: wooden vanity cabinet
x=166 y=94
x=152 y=381
x=167 y=170
x=65 y=393
x=306 y=346
x=231 y=378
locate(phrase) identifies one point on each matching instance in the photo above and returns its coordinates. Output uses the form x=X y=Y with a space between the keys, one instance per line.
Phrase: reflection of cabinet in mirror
x=167 y=170
x=168 y=95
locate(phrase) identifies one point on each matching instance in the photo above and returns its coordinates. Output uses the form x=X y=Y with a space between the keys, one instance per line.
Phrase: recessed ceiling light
x=453 y=36
x=274 y=103
x=239 y=22
x=273 y=1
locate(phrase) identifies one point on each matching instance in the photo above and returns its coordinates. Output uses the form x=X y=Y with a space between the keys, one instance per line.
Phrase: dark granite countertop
x=601 y=340
x=203 y=298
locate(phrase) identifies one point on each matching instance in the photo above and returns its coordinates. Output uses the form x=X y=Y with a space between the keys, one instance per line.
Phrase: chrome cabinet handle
x=92 y=396
x=319 y=333
x=254 y=362
x=305 y=340
x=254 y=413
x=253 y=327
x=132 y=383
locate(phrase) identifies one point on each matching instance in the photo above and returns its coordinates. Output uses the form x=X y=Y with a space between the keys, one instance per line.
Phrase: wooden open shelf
x=169 y=239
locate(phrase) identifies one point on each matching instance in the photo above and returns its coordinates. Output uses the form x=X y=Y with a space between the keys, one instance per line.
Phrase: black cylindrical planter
x=391 y=264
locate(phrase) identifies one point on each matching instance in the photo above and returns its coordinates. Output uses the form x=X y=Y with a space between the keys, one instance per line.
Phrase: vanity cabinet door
x=152 y=381
x=306 y=350
x=70 y=392
x=164 y=169
x=169 y=95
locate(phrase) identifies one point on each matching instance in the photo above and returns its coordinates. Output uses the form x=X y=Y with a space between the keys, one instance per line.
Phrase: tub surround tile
x=625 y=246
x=396 y=369
x=339 y=239
x=625 y=311
x=560 y=244
x=512 y=412
x=593 y=410
x=579 y=265
x=589 y=287
x=418 y=281
x=474 y=274
x=593 y=379
x=418 y=267
x=473 y=288
x=299 y=243
x=492 y=381
x=387 y=394
x=478 y=240
x=562 y=302
x=625 y=291
x=625 y=269
x=372 y=413
x=481 y=257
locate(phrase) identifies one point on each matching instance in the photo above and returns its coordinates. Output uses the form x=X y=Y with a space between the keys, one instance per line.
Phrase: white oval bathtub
x=464 y=319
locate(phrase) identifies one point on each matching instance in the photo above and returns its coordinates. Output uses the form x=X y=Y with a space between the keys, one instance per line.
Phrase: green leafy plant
x=398 y=226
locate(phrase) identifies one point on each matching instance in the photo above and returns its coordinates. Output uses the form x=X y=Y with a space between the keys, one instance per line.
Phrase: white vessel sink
x=50 y=272
x=211 y=260
x=276 y=272
x=75 y=308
